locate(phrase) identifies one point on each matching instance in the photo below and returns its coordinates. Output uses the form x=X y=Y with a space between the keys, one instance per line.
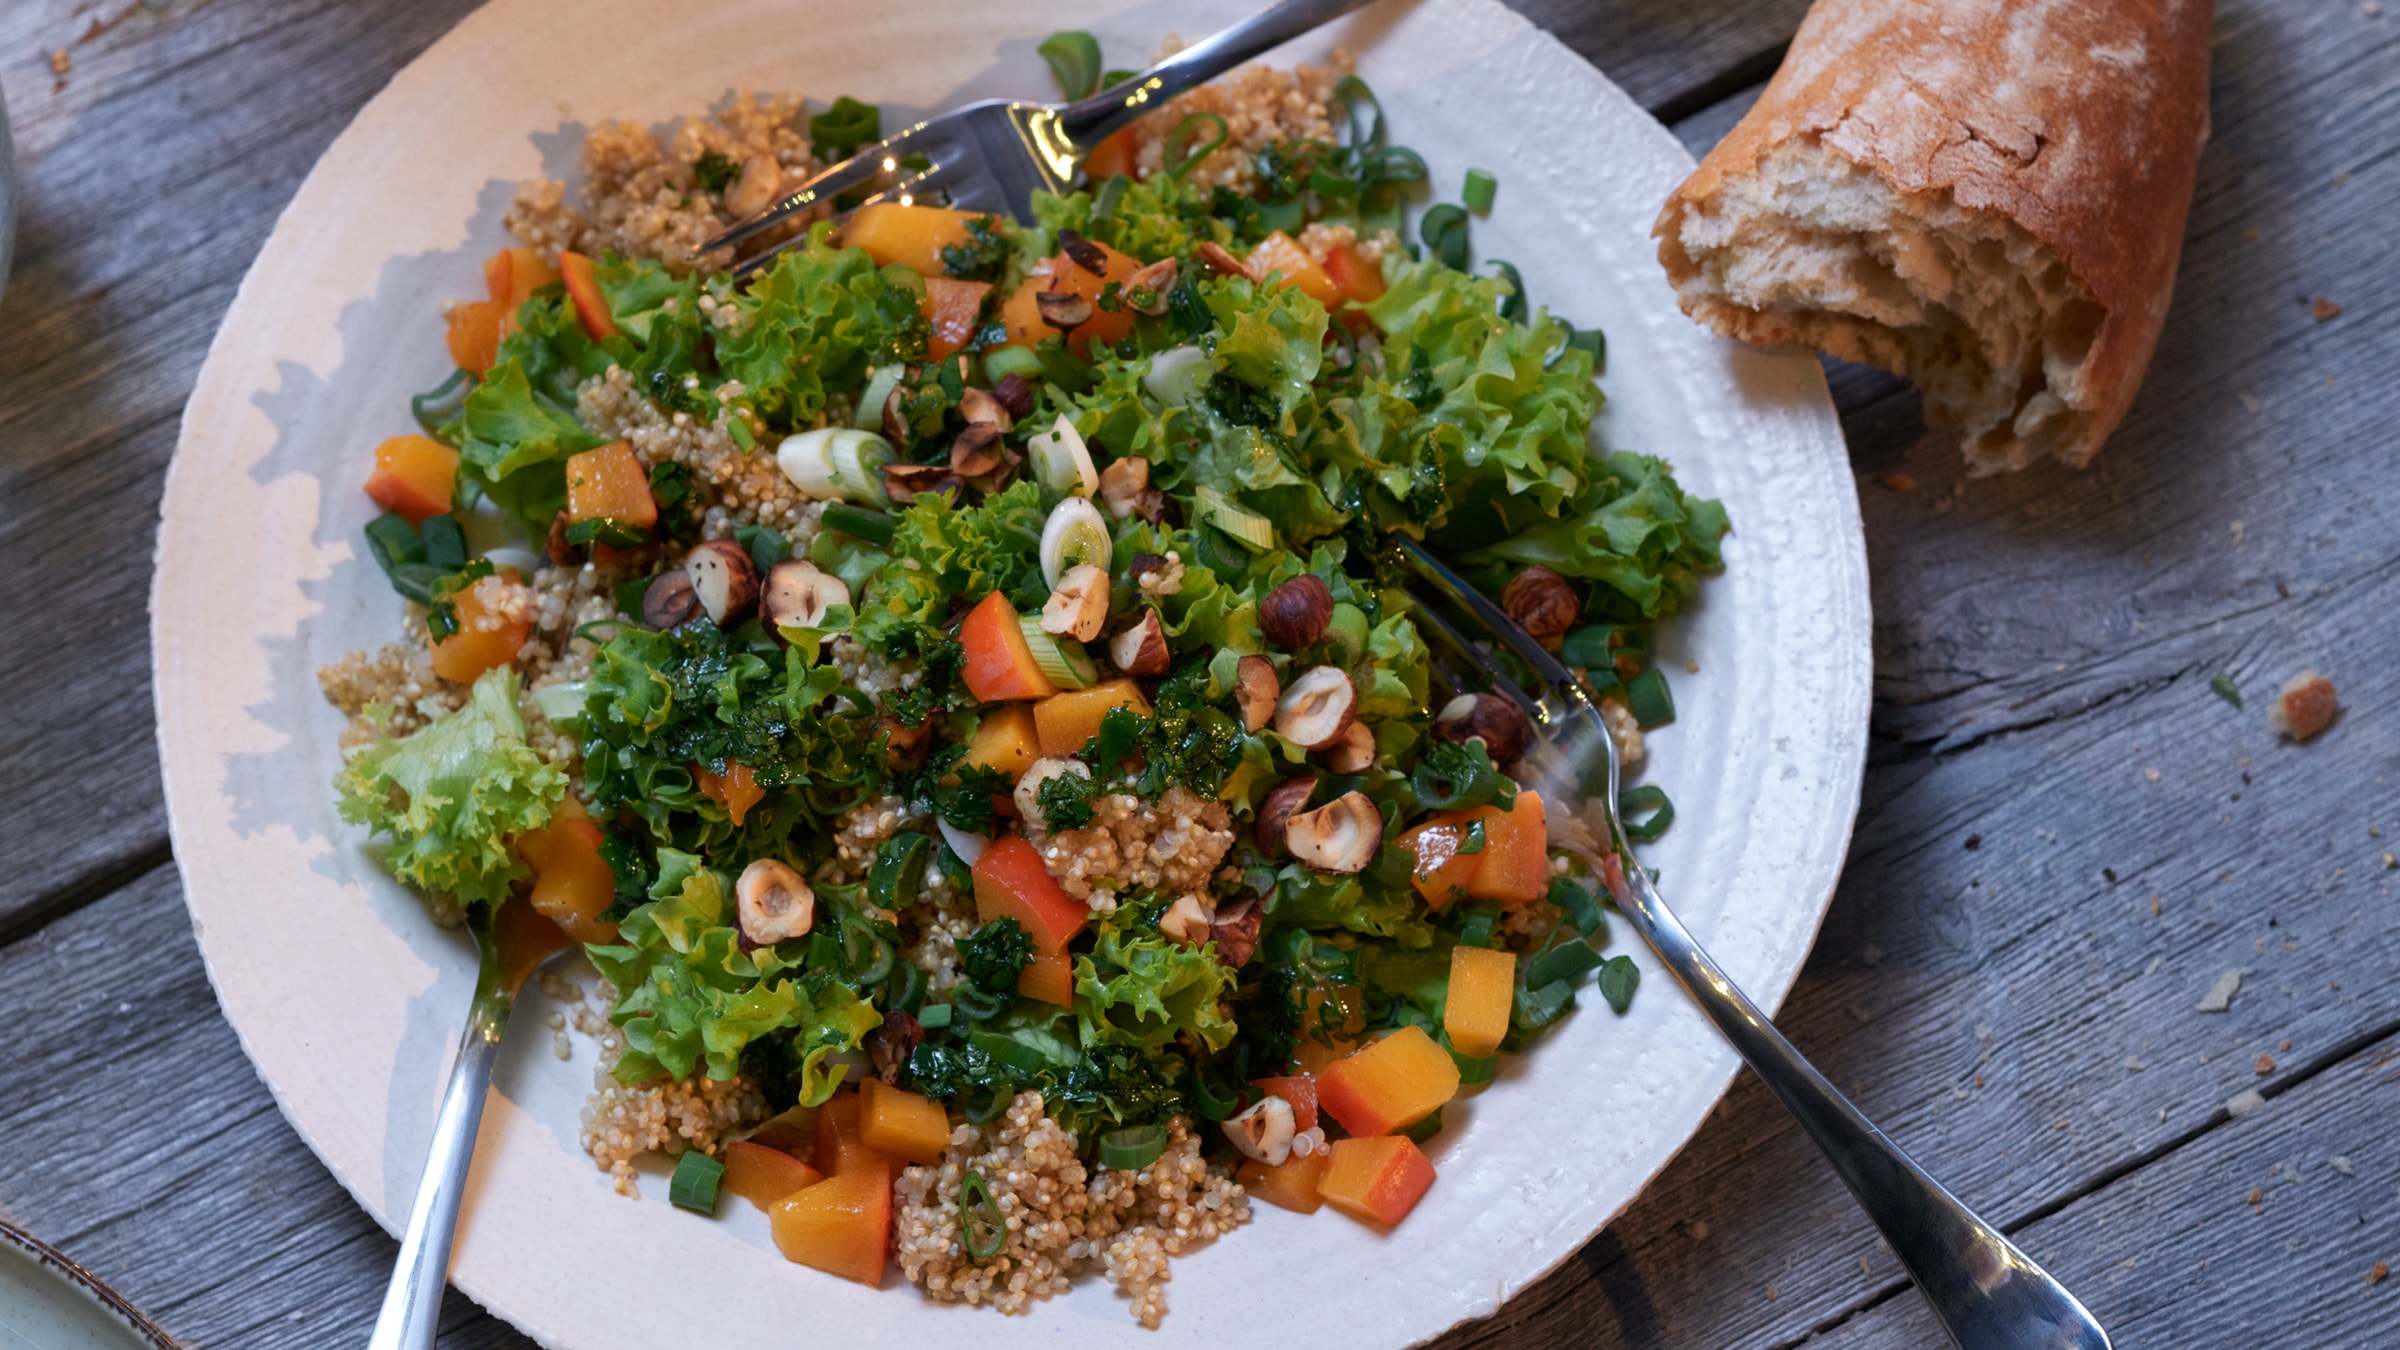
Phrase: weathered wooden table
x=2066 y=838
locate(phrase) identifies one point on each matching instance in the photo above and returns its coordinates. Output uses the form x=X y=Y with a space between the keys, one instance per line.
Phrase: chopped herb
x=1066 y=801
x=714 y=171
x=983 y=257
x=1074 y=58
x=1619 y=977
x=2226 y=688
x=994 y=955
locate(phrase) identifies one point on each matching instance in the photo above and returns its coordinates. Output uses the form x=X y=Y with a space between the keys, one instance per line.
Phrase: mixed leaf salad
x=1105 y=553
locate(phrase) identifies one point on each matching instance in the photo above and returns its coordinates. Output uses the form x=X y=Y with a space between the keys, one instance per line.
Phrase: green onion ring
x=899 y=870
x=1133 y=1148
x=442 y=402
x=981 y=1226
x=1180 y=157
x=1651 y=798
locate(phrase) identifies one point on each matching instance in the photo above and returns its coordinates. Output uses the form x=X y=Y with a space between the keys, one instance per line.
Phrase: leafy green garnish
x=713 y=172
x=452 y=796
x=1143 y=990
x=994 y=955
x=984 y=257
x=1065 y=800
x=813 y=323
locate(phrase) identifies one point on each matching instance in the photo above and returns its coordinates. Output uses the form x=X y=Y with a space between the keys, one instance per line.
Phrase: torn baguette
x=1985 y=196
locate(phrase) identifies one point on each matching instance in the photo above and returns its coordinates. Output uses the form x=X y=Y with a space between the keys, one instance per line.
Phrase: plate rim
x=72 y=1273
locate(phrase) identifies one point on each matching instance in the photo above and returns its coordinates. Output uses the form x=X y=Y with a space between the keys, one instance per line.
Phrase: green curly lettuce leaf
x=813 y=323
x=513 y=445
x=1143 y=990
x=451 y=796
x=1644 y=538
x=939 y=551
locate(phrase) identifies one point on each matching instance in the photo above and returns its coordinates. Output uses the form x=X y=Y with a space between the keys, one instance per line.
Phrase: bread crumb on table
x=2305 y=706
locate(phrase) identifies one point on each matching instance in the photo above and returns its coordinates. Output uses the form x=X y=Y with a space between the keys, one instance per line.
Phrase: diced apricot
x=591 y=304
x=486 y=638
x=955 y=310
x=1298 y=1089
x=904 y=1124
x=1006 y=740
x=472 y=332
x=1011 y=882
x=1292 y=1186
x=913 y=236
x=573 y=885
x=1022 y=313
x=736 y=789
x=840 y=1145
x=1280 y=253
x=763 y=1175
x=1065 y=721
x=1442 y=873
x=413 y=476
x=1482 y=984
x=1119 y=154
x=1389 y=1085
x=1516 y=854
x=526 y=939
x=610 y=484
x=1375 y=1180
x=842 y=1225
x=999 y=666
x=1359 y=279
x=512 y=275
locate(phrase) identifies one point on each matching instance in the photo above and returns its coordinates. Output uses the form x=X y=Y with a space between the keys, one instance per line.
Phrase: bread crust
x=2079 y=120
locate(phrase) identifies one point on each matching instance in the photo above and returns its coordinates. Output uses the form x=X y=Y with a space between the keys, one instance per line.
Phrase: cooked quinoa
x=1062 y=1217
x=733 y=708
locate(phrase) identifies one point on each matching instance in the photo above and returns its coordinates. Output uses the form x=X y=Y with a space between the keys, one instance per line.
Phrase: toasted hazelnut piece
x=905 y=481
x=1028 y=793
x=1276 y=809
x=1502 y=726
x=1141 y=649
x=797 y=594
x=1121 y=485
x=1146 y=290
x=760 y=182
x=1235 y=931
x=977 y=450
x=1063 y=309
x=889 y=1046
x=895 y=415
x=1354 y=752
x=1014 y=393
x=772 y=903
x=1187 y=920
x=1316 y=708
x=981 y=408
x=1343 y=835
x=1079 y=607
x=670 y=602
x=1083 y=252
x=1255 y=688
x=1541 y=602
x=2305 y=706
x=1263 y=1131
x=1212 y=255
x=1295 y=613
x=724 y=579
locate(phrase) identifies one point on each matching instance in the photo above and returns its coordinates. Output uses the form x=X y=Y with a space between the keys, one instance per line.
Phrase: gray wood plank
x=141 y=1143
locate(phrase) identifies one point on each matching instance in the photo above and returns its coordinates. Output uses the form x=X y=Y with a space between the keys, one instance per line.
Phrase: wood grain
x=1993 y=968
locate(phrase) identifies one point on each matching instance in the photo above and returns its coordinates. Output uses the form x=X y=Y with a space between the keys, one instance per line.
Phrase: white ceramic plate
x=348 y=1000
x=47 y=1302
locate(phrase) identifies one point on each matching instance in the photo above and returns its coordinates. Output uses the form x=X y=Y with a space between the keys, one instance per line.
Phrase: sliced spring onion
x=905 y=990
x=1062 y=462
x=1104 y=201
x=1062 y=661
x=1646 y=695
x=1651 y=798
x=1569 y=961
x=1473 y=1069
x=1073 y=534
x=899 y=870
x=934 y=1016
x=1478 y=192
x=394 y=541
x=1347 y=631
x=738 y=427
x=1427 y=1128
x=1184 y=149
x=975 y=1003
x=1598 y=645
x=837 y=464
x=1475 y=928
x=561 y=703
x=602 y=530
x=1177 y=375
x=1217 y=1101
x=866 y=957
x=982 y=1228
x=1001 y=362
x=694 y=1185
x=1254 y=531
x=983 y=1105
x=868 y=416
x=1009 y=1051
x=1581 y=906
x=442 y=402
x=1444 y=230
x=1074 y=58
x=1539 y=1007
x=445 y=543
x=1619 y=977
x=968 y=847
x=873 y=526
x=1133 y=1148
x=1513 y=308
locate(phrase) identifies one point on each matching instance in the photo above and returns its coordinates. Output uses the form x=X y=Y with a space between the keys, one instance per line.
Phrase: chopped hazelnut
x=1295 y=613
x=1256 y=688
x=670 y=601
x=772 y=904
x=1188 y=920
x=797 y=594
x=724 y=579
x=1316 y=708
x=1501 y=725
x=1079 y=607
x=1141 y=649
x=1354 y=752
x=1276 y=808
x=1541 y=602
x=1063 y=309
x=1343 y=835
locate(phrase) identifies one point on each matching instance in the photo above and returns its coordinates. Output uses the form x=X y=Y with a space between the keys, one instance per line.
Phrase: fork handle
x=1089 y=122
x=412 y=1305
x=1987 y=1293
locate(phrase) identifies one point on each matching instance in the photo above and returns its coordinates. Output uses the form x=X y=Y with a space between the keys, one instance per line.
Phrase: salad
x=958 y=685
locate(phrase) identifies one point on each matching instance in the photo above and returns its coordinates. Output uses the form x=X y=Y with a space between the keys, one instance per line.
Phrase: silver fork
x=993 y=156
x=1988 y=1294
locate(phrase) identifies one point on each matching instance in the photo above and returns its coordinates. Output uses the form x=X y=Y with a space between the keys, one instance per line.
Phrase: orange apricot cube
x=1389 y=1085
x=1376 y=1180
